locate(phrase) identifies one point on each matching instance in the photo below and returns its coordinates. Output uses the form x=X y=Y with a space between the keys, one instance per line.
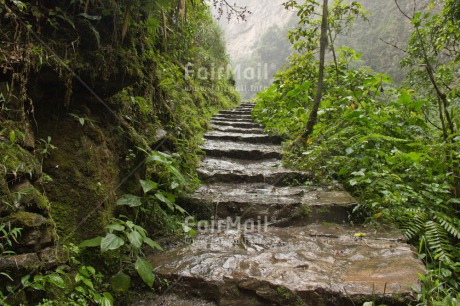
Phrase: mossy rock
x=30 y=196
x=17 y=162
x=27 y=220
x=27 y=139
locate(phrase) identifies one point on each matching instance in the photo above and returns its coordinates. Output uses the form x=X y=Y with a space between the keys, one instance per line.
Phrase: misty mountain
x=260 y=41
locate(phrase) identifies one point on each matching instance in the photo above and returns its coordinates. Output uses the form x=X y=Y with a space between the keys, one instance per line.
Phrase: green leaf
x=81 y=120
x=37 y=286
x=25 y=280
x=107 y=299
x=405 y=98
x=145 y=271
x=56 y=280
x=90 y=17
x=153 y=244
x=120 y=282
x=111 y=242
x=135 y=239
x=148 y=185
x=6 y=275
x=174 y=185
x=165 y=200
x=12 y=136
x=91 y=242
x=129 y=200
x=84 y=280
x=116 y=227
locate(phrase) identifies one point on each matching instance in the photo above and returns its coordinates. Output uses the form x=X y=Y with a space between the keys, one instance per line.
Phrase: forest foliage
x=106 y=79
x=396 y=148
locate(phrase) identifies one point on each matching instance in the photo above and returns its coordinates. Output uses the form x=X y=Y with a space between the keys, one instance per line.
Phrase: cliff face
x=247 y=41
x=243 y=37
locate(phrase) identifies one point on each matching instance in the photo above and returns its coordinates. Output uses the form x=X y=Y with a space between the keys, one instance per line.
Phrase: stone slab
x=283 y=206
x=294 y=266
x=229 y=149
x=243 y=137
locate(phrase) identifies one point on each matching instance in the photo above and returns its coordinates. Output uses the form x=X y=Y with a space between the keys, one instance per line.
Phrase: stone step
x=311 y=265
x=232 y=116
x=234 y=119
x=239 y=150
x=243 y=137
x=171 y=300
x=236 y=124
x=280 y=206
x=231 y=129
x=269 y=171
x=238 y=111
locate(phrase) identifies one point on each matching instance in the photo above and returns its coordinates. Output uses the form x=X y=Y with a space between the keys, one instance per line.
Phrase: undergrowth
x=396 y=149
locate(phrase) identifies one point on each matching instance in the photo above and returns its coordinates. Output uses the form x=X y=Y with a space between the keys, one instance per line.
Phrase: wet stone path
x=268 y=241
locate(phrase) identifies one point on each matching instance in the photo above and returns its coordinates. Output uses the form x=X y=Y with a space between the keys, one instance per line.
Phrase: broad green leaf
x=153 y=244
x=84 y=280
x=135 y=239
x=148 y=185
x=405 y=98
x=180 y=209
x=162 y=198
x=145 y=271
x=115 y=227
x=25 y=280
x=120 y=282
x=107 y=299
x=91 y=243
x=111 y=242
x=129 y=200
x=37 y=286
x=414 y=156
x=56 y=280
x=91 y=270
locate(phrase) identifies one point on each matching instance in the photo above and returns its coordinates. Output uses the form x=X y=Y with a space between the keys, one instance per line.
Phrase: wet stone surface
x=247 y=137
x=269 y=238
x=311 y=267
x=221 y=148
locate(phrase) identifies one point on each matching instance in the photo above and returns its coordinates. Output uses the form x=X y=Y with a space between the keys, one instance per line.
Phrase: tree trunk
x=319 y=87
x=331 y=41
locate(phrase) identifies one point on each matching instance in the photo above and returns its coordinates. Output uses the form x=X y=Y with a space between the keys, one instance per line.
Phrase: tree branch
x=402 y=12
x=394 y=46
x=239 y=11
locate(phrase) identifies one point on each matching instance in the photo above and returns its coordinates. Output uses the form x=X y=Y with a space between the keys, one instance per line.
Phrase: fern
x=413 y=223
x=447 y=223
x=437 y=240
x=434 y=230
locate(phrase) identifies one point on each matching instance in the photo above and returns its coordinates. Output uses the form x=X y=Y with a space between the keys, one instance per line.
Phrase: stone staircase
x=273 y=242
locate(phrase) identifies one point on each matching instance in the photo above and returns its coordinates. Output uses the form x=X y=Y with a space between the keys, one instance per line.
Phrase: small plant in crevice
x=8 y=236
x=82 y=119
x=126 y=237
x=46 y=147
x=124 y=242
x=305 y=211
